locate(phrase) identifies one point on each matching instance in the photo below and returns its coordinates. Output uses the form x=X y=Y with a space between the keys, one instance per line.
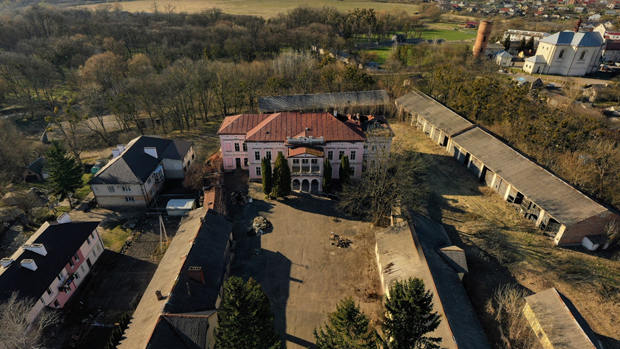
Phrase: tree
x=529 y=46
x=266 y=172
x=65 y=174
x=281 y=177
x=17 y=331
x=388 y=181
x=410 y=316
x=245 y=320
x=346 y=328
x=344 y=171
x=522 y=45
x=507 y=43
x=327 y=176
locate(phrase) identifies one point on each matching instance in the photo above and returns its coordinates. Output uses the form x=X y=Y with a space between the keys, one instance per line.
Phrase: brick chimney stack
x=577 y=26
x=195 y=273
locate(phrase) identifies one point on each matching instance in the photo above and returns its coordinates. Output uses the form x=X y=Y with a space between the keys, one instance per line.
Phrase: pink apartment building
x=52 y=264
x=305 y=139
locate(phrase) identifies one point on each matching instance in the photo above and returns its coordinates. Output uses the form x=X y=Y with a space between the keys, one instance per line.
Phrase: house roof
x=37 y=165
x=536 y=59
x=612 y=45
x=240 y=124
x=503 y=54
x=587 y=39
x=61 y=241
x=315 y=151
x=561 y=321
x=434 y=112
x=135 y=166
x=277 y=127
x=178 y=318
x=323 y=101
x=563 y=202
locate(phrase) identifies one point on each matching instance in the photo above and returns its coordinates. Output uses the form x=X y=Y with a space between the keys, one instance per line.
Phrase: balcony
x=305 y=170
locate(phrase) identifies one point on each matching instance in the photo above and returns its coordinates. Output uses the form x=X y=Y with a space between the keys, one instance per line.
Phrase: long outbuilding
x=340 y=101
x=557 y=208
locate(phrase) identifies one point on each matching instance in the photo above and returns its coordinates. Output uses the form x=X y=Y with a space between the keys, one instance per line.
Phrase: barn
x=554 y=206
x=433 y=118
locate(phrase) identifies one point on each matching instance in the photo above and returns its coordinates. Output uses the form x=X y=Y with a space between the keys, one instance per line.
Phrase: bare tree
x=507 y=306
x=612 y=230
x=17 y=331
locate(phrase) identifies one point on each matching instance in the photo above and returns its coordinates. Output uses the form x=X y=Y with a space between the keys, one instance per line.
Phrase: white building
x=137 y=172
x=503 y=59
x=567 y=53
x=518 y=35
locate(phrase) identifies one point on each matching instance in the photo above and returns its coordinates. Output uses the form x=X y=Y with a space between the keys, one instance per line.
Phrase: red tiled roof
x=276 y=127
x=215 y=200
x=305 y=150
x=240 y=124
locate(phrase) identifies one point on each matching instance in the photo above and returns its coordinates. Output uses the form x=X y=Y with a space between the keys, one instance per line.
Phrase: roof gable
x=586 y=39
x=240 y=124
x=277 y=127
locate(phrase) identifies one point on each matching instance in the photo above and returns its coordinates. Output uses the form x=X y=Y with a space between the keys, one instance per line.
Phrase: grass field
x=382 y=54
x=448 y=34
x=263 y=8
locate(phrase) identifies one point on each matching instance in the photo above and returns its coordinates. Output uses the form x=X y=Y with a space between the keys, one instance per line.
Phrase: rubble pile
x=239 y=198
x=260 y=226
x=339 y=241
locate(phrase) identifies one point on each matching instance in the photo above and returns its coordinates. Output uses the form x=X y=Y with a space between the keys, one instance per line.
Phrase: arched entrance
x=314 y=186
x=305 y=185
x=296 y=184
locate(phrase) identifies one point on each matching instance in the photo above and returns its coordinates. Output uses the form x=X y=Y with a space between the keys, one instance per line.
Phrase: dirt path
x=468 y=210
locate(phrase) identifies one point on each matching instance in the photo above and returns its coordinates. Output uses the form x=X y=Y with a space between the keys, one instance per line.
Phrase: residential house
x=567 y=53
x=305 y=140
x=138 y=171
x=52 y=264
x=557 y=322
x=179 y=306
x=559 y=210
x=35 y=172
x=503 y=59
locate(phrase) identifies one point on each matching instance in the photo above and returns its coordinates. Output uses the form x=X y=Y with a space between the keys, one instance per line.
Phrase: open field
x=478 y=220
x=261 y=8
x=301 y=272
x=448 y=34
x=382 y=54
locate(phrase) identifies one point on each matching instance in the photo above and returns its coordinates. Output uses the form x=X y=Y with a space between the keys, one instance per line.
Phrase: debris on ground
x=238 y=197
x=339 y=241
x=260 y=226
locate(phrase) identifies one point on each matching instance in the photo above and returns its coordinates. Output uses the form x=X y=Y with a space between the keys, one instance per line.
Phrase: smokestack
x=6 y=262
x=63 y=218
x=484 y=33
x=195 y=273
x=36 y=248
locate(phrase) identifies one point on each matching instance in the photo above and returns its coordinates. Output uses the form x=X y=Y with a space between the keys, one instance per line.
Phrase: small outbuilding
x=35 y=172
x=503 y=59
x=180 y=207
x=594 y=242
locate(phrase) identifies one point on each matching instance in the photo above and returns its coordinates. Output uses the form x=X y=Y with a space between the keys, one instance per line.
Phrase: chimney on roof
x=63 y=218
x=6 y=262
x=29 y=264
x=159 y=295
x=115 y=153
x=152 y=151
x=195 y=273
x=36 y=248
x=120 y=147
x=577 y=26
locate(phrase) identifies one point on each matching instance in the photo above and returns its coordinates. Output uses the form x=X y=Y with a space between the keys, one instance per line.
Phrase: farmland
x=261 y=8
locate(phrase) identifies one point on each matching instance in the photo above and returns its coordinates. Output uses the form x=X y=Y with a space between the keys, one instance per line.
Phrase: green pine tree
x=65 y=174
x=245 y=320
x=327 y=176
x=281 y=177
x=522 y=45
x=346 y=328
x=410 y=316
x=507 y=43
x=266 y=172
x=344 y=172
x=529 y=46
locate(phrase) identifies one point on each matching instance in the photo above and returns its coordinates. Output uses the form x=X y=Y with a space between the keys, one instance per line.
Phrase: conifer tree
x=410 y=316
x=507 y=43
x=346 y=328
x=245 y=320
x=266 y=173
x=327 y=176
x=522 y=45
x=281 y=177
x=65 y=174
x=529 y=46
x=344 y=172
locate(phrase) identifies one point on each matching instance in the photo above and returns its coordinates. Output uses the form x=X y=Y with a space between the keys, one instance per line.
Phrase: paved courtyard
x=301 y=272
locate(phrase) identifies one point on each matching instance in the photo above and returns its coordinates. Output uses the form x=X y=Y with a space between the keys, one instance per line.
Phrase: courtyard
x=303 y=274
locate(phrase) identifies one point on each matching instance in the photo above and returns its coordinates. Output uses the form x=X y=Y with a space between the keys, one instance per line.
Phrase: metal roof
x=563 y=202
x=586 y=39
x=434 y=112
x=561 y=322
x=323 y=101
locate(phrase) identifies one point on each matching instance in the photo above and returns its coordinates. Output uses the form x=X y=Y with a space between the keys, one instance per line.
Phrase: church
x=568 y=53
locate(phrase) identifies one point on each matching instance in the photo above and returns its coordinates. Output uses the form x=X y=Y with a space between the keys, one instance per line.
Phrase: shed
x=179 y=207
x=593 y=242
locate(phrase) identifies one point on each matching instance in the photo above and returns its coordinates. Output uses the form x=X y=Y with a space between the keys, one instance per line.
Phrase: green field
x=264 y=8
x=382 y=54
x=448 y=34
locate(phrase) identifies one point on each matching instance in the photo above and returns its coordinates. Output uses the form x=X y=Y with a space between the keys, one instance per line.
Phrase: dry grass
x=261 y=8
x=114 y=239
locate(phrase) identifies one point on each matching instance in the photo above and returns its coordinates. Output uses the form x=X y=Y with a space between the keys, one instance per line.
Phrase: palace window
x=257 y=155
x=258 y=172
x=352 y=154
x=236 y=146
x=330 y=155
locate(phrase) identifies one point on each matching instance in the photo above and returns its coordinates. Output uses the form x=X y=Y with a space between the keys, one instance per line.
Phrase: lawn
x=114 y=239
x=262 y=8
x=382 y=54
x=448 y=34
